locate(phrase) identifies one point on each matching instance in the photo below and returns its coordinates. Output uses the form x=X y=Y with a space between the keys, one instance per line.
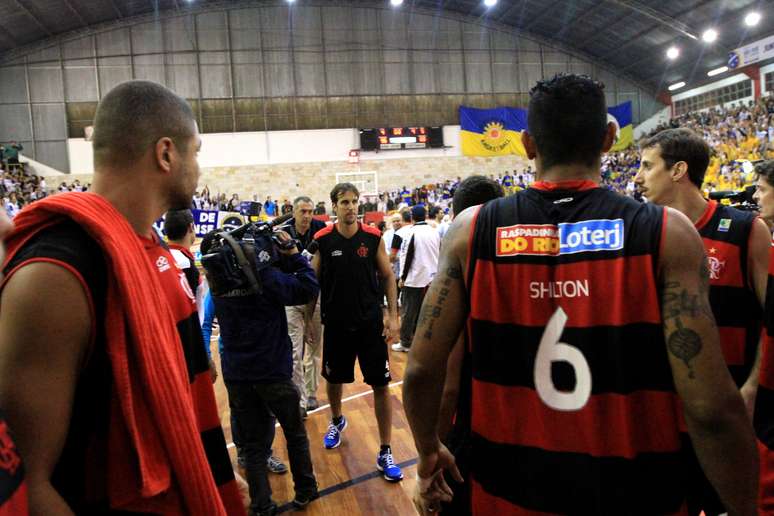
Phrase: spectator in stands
x=270 y=207
x=11 y=154
x=233 y=203
x=287 y=207
x=320 y=208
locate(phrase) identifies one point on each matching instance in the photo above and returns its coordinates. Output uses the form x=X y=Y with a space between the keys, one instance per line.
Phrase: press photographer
x=254 y=272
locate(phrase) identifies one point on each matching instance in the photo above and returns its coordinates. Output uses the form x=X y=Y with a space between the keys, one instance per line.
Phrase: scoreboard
x=394 y=138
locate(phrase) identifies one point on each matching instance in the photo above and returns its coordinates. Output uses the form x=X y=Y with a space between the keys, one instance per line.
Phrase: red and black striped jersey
x=79 y=476
x=763 y=419
x=574 y=407
x=726 y=234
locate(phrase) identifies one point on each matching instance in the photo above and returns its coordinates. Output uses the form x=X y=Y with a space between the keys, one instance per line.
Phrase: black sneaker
x=302 y=500
x=276 y=466
x=268 y=511
x=312 y=403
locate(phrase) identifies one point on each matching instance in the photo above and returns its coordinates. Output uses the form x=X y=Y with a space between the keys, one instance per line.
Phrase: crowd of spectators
x=737 y=134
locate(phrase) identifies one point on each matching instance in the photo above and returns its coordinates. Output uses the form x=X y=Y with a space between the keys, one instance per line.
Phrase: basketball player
x=13 y=489
x=454 y=413
x=103 y=372
x=349 y=257
x=764 y=401
x=737 y=243
x=589 y=322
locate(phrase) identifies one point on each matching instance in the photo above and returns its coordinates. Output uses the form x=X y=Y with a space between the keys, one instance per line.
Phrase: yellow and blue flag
x=622 y=116
x=497 y=132
x=492 y=132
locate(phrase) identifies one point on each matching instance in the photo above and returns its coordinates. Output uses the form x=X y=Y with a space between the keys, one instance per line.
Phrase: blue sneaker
x=333 y=438
x=386 y=464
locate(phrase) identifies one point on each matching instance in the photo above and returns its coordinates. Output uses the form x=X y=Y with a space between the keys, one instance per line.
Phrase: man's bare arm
x=720 y=430
x=451 y=389
x=758 y=267
x=45 y=325
x=440 y=321
x=310 y=307
x=388 y=279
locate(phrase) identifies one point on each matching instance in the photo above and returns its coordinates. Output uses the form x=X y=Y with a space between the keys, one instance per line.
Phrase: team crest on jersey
x=715 y=267
x=337 y=252
x=9 y=458
x=565 y=238
x=362 y=251
x=162 y=263
x=724 y=225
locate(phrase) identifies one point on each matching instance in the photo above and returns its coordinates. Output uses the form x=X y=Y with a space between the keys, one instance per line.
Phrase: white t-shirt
x=405 y=234
x=424 y=265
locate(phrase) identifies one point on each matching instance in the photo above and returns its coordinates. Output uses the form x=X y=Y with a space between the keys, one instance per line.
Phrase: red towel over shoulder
x=157 y=462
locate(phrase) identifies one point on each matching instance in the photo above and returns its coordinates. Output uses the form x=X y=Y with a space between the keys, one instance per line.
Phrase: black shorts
x=342 y=343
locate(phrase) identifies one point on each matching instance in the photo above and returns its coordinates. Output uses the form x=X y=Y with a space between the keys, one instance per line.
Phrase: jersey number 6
x=551 y=350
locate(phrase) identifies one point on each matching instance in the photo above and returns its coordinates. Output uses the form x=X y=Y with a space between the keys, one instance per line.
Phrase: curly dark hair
x=567 y=118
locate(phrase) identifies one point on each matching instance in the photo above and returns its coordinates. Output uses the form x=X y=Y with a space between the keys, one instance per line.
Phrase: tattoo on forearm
x=684 y=344
x=432 y=311
x=677 y=304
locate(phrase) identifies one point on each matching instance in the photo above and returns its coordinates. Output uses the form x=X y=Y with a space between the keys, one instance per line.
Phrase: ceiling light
x=752 y=19
x=709 y=35
x=490 y=3
x=717 y=71
x=676 y=86
x=673 y=53
x=396 y=3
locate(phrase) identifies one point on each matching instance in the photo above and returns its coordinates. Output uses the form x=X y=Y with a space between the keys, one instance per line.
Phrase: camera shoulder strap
x=244 y=263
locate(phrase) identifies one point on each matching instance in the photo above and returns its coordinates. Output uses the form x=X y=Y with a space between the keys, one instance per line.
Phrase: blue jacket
x=209 y=318
x=254 y=328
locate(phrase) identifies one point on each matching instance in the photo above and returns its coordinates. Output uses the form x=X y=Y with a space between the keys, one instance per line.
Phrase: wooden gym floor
x=348 y=481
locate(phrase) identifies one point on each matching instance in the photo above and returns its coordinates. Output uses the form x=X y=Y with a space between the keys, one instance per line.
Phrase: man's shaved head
x=133 y=116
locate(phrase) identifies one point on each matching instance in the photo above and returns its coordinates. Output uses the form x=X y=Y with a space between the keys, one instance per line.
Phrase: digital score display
x=394 y=138
x=402 y=138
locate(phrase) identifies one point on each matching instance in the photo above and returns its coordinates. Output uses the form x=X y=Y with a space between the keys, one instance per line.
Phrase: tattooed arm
x=440 y=321
x=714 y=412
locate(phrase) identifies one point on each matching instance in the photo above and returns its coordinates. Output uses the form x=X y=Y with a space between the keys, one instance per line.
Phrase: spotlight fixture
x=676 y=86
x=717 y=71
x=752 y=19
x=673 y=53
x=396 y=3
x=490 y=3
x=709 y=35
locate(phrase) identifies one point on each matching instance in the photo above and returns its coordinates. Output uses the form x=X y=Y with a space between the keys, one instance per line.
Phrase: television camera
x=233 y=259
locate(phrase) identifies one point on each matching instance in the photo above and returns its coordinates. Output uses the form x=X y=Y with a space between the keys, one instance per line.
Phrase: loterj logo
x=565 y=238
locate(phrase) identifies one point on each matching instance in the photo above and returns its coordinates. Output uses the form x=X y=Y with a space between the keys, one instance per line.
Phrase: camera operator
x=257 y=368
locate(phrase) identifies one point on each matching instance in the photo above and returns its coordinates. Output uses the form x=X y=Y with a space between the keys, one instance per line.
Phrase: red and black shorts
x=343 y=343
